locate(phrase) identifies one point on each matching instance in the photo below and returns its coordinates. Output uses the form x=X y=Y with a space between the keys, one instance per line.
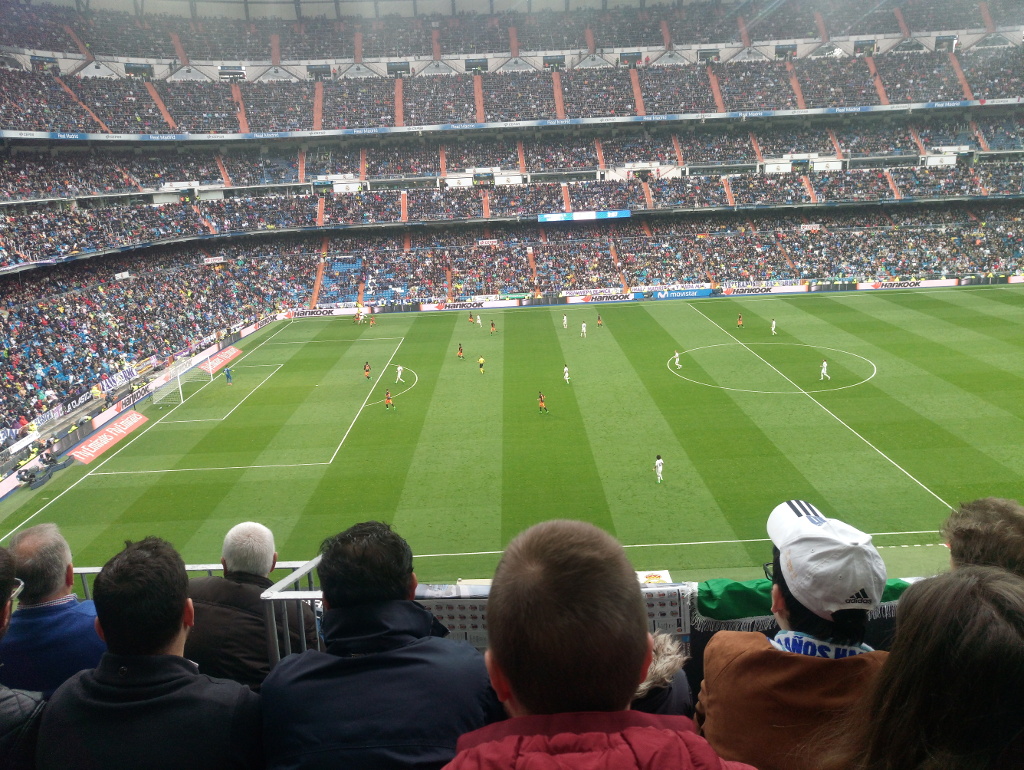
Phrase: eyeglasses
x=769 y=570
x=19 y=586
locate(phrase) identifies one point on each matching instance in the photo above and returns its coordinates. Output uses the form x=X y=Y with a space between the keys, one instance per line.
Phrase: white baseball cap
x=828 y=565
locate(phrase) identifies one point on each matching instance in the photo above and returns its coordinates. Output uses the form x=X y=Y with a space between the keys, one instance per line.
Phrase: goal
x=170 y=389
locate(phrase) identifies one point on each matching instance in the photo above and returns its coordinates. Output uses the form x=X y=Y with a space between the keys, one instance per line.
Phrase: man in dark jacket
x=145 y=705
x=229 y=638
x=19 y=710
x=388 y=692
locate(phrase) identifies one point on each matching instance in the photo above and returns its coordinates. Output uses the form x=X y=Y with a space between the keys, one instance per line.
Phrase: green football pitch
x=924 y=409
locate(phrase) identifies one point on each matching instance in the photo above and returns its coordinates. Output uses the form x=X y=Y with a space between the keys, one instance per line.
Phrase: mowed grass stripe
x=549 y=469
x=626 y=428
x=452 y=495
x=743 y=468
x=815 y=441
x=366 y=478
x=895 y=411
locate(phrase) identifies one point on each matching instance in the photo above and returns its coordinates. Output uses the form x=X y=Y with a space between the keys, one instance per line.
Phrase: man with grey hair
x=229 y=637
x=52 y=635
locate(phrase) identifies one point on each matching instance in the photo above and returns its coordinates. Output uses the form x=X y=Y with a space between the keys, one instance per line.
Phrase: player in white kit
x=824 y=370
x=659 y=464
x=400 y=370
x=583 y=330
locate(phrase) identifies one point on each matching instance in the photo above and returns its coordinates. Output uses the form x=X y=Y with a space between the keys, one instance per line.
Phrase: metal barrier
x=278 y=597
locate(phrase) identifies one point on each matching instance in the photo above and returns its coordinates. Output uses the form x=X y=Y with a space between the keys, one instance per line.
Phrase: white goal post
x=167 y=389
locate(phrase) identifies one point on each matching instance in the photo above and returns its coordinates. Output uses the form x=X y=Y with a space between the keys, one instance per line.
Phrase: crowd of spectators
x=947 y=132
x=919 y=77
x=153 y=171
x=994 y=73
x=395 y=36
x=123 y=104
x=829 y=81
x=597 y=92
x=317 y=38
x=936 y=181
x=477 y=270
x=551 y=154
x=633 y=27
x=400 y=276
x=35 y=101
x=1003 y=133
x=755 y=85
x=358 y=103
x=471 y=34
x=1002 y=178
x=552 y=31
x=524 y=200
x=768 y=189
x=391 y=160
x=877 y=139
x=230 y=215
x=852 y=185
x=341 y=280
x=778 y=141
x=638 y=148
x=780 y=20
x=606 y=196
x=363 y=207
x=572 y=265
x=118 y=33
x=941 y=15
x=690 y=192
x=715 y=148
x=695 y=23
x=481 y=153
x=30 y=175
x=445 y=203
x=843 y=17
x=430 y=100
x=674 y=90
x=278 y=105
x=254 y=167
x=325 y=160
x=518 y=95
x=200 y=107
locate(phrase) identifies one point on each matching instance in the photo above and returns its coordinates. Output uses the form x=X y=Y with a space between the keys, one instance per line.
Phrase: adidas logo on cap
x=861 y=597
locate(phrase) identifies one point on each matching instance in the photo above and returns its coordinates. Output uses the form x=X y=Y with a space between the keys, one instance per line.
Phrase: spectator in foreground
x=389 y=691
x=761 y=698
x=52 y=635
x=229 y=639
x=567 y=627
x=145 y=705
x=19 y=710
x=951 y=694
x=987 y=532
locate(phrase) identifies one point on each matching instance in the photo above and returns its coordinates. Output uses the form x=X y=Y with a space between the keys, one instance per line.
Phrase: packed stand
x=475 y=34
x=200 y=107
x=690 y=192
x=606 y=196
x=1005 y=13
x=560 y=154
x=32 y=101
x=843 y=17
x=947 y=132
x=674 y=89
x=444 y=204
x=481 y=270
x=768 y=189
x=1002 y=178
x=638 y=148
x=317 y=38
x=253 y=167
x=936 y=181
x=321 y=161
x=217 y=39
x=156 y=170
x=405 y=160
x=919 y=77
x=523 y=200
x=363 y=208
x=851 y=185
x=395 y=277
x=994 y=73
x=716 y=148
x=551 y=31
x=590 y=93
x=940 y=15
x=118 y=33
x=481 y=153
x=231 y=215
x=359 y=102
x=1005 y=133
x=512 y=96
x=780 y=21
x=657 y=261
x=571 y=265
x=430 y=100
x=123 y=104
x=28 y=176
x=278 y=106
x=755 y=85
x=779 y=141
x=37 y=28
x=874 y=140
x=705 y=22
x=396 y=36
x=827 y=81
x=629 y=27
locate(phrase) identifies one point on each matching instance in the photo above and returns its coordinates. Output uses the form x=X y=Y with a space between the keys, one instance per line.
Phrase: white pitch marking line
x=828 y=411
x=697 y=542
x=183 y=470
x=335 y=342
x=365 y=400
x=137 y=434
x=414 y=383
x=221 y=419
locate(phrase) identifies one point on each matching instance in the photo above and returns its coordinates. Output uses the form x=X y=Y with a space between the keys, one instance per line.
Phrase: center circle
x=784 y=369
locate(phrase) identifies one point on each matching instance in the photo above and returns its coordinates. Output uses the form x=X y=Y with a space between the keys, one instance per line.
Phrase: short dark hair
x=846 y=627
x=368 y=562
x=987 y=532
x=140 y=596
x=566 y=619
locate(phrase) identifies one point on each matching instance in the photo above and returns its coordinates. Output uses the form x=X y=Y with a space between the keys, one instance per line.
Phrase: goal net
x=171 y=384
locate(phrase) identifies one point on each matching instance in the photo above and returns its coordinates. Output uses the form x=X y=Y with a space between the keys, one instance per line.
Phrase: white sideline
x=242 y=401
x=828 y=411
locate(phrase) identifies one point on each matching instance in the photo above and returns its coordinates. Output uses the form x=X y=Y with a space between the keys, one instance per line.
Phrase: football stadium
x=467 y=266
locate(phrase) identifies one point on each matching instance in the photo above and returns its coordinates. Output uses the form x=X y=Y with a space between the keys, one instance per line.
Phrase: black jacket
x=20 y=711
x=229 y=639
